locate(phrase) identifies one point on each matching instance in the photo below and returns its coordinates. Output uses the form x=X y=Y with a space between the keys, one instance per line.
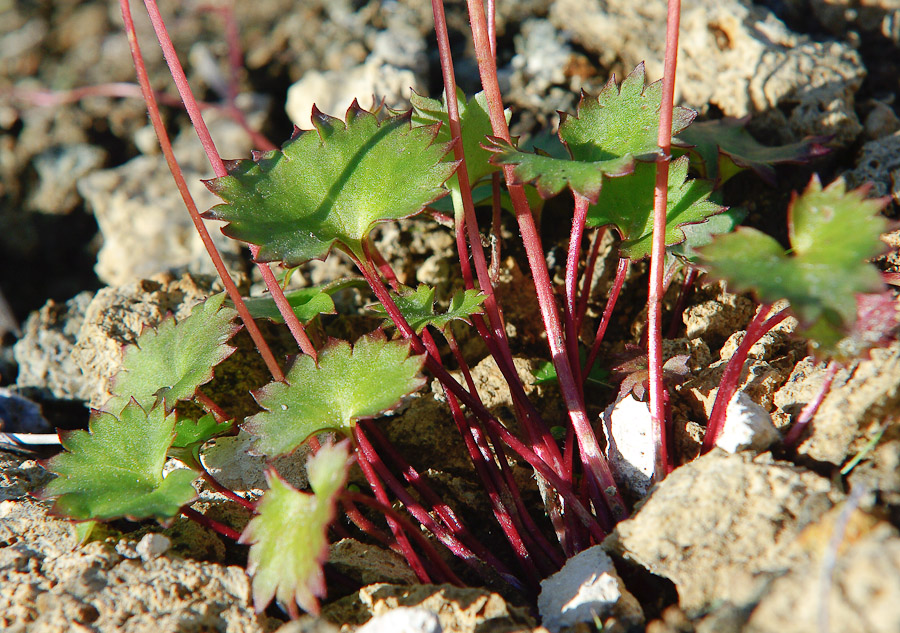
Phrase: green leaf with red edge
x=289 y=537
x=604 y=138
x=170 y=362
x=474 y=123
x=331 y=186
x=191 y=435
x=724 y=147
x=627 y=204
x=832 y=232
x=114 y=470
x=417 y=306
x=877 y=322
x=349 y=384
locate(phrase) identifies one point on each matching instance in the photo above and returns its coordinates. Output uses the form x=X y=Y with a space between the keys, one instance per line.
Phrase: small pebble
x=403 y=620
x=153 y=545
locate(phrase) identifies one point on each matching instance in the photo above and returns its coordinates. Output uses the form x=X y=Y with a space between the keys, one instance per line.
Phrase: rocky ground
x=95 y=245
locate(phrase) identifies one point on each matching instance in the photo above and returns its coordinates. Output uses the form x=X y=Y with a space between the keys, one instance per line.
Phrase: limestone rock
x=630 y=449
x=748 y=426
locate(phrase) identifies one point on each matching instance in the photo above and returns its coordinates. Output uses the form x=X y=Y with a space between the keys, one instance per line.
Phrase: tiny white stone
x=586 y=587
x=153 y=545
x=403 y=620
x=748 y=426
x=630 y=449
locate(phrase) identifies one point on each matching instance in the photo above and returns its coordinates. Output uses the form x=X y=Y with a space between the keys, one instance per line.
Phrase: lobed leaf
x=724 y=147
x=832 y=232
x=115 y=469
x=417 y=307
x=191 y=435
x=306 y=303
x=288 y=538
x=331 y=186
x=474 y=123
x=349 y=384
x=169 y=363
x=627 y=204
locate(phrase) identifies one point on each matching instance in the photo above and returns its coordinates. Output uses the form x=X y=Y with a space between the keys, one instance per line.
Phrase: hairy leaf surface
x=627 y=204
x=115 y=469
x=832 y=232
x=348 y=385
x=331 y=186
x=170 y=362
x=289 y=537
x=417 y=307
x=604 y=138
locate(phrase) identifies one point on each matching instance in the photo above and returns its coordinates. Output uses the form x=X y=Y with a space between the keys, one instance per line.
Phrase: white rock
x=630 y=449
x=403 y=620
x=231 y=461
x=153 y=545
x=587 y=587
x=748 y=426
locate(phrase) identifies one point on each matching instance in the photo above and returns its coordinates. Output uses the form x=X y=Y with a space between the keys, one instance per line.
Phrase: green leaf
x=550 y=175
x=191 y=435
x=169 y=363
x=331 y=186
x=627 y=203
x=417 y=306
x=724 y=147
x=474 y=122
x=288 y=539
x=348 y=385
x=115 y=470
x=604 y=139
x=546 y=372
x=697 y=235
x=622 y=120
x=307 y=303
x=832 y=233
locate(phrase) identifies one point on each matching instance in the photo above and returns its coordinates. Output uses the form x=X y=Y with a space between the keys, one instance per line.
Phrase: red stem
x=212 y=524
x=809 y=411
x=757 y=328
x=215 y=485
x=621 y=273
x=603 y=485
x=166 y=146
x=414 y=532
x=588 y=277
x=658 y=249
x=574 y=254
x=207 y=403
x=689 y=278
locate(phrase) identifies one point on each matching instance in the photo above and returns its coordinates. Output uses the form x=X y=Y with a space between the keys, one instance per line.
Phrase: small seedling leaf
x=417 y=307
x=832 y=232
x=627 y=204
x=474 y=123
x=545 y=372
x=349 y=384
x=724 y=147
x=115 y=469
x=191 y=435
x=330 y=186
x=169 y=363
x=306 y=303
x=289 y=537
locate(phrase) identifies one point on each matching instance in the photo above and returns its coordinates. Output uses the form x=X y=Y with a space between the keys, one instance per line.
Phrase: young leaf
x=604 y=138
x=832 y=233
x=474 y=123
x=169 y=363
x=627 y=203
x=115 y=470
x=348 y=385
x=307 y=303
x=331 y=186
x=191 y=435
x=697 y=235
x=724 y=147
x=418 y=307
x=289 y=538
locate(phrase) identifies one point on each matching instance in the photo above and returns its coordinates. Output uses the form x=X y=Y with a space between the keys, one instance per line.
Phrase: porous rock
x=721 y=526
x=59 y=169
x=44 y=353
x=145 y=226
x=403 y=620
x=848 y=582
x=233 y=463
x=460 y=610
x=587 y=587
x=51 y=584
x=879 y=164
x=860 y=397
x=366 y=563
x=734 y=55
x=116 y=316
